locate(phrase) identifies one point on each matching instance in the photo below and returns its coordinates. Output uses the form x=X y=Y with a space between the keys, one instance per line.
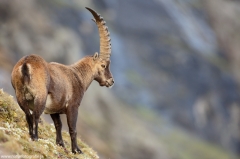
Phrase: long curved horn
x=105 y=40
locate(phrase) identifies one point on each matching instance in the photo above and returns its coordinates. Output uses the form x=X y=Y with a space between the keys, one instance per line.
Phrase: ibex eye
x=103 y=66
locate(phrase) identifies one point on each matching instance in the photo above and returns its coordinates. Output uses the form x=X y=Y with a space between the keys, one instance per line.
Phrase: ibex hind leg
x=39 y=105
x=24 y=105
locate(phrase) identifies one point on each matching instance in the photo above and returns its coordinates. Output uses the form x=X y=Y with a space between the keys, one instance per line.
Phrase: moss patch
x=15 y=139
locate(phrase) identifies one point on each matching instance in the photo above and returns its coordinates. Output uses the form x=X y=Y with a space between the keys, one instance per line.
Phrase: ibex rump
x=56 y=89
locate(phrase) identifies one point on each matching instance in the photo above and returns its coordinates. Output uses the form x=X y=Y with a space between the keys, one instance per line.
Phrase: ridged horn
x=105 y=40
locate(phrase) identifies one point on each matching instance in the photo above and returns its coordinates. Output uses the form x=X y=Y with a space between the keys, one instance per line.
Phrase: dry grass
x=14 y=137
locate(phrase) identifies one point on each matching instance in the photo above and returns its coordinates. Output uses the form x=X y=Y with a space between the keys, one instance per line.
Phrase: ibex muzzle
x=56 y=89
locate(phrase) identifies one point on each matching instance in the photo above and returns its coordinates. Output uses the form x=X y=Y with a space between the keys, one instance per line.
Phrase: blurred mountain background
x=175 y=64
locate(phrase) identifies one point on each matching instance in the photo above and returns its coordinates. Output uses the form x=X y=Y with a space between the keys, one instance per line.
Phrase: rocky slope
x=15 y=140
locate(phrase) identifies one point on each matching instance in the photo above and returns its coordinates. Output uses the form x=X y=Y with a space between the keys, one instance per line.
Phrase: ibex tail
x=25 y=73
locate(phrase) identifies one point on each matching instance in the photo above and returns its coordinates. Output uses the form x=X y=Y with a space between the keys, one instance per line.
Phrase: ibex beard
x=56 y=89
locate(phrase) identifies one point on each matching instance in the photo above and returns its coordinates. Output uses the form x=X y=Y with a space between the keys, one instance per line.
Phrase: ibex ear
x=95 y=56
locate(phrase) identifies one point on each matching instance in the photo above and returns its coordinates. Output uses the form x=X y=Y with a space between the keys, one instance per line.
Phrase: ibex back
x=56 y=89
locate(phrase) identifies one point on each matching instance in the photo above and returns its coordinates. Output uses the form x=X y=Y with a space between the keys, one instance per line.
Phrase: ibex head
x=102 y=61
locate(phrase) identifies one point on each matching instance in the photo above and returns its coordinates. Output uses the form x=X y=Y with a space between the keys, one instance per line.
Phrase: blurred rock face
x=171 y=59
x=26 y=28
x=226 y=25
x=166 y=57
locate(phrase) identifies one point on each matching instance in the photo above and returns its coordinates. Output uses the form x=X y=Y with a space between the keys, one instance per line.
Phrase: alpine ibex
x=55 y=88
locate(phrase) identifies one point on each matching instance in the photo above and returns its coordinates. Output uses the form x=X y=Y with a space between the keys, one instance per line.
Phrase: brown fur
x=56 y=89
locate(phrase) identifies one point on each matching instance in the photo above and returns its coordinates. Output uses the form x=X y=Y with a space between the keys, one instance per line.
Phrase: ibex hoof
x=77 y=150
x=34 y=138
x=60 y=144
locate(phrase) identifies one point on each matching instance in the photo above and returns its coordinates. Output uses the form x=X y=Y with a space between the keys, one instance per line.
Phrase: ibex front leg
x=72 y=113
x=58 y=126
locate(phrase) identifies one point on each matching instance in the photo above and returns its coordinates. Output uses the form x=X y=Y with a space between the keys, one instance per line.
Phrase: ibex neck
x=84 y=72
